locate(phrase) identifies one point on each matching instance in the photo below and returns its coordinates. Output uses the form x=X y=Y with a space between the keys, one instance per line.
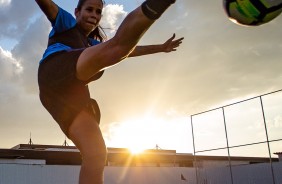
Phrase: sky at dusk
x=145 y=100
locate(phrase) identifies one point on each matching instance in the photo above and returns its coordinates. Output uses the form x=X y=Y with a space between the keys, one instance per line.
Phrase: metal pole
x=227 y=143
x=267 y=140
x=195 y=159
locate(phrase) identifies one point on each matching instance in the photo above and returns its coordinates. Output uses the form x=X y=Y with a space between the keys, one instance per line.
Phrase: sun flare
x=135 y=150
x=140 y=134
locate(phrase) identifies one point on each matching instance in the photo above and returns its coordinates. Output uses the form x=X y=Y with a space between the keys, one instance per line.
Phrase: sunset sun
x=146 y=133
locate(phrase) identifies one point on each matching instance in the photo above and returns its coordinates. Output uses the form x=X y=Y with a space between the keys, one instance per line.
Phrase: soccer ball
x=252 y=12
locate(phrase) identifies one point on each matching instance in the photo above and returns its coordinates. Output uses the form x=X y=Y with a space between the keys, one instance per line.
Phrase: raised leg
x=96 y=58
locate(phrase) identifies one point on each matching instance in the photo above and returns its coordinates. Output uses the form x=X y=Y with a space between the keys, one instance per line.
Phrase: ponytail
x=98 y=34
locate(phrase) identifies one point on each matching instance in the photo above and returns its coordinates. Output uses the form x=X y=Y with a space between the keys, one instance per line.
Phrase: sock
x=153 y=9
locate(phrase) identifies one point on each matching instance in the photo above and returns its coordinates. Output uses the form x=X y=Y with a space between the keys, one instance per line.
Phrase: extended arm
x=169 y=46
x=49 y=8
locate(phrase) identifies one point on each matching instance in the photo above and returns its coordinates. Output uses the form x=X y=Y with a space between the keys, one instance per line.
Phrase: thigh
x=87 y=136
x=96 y=58
x=60 y=69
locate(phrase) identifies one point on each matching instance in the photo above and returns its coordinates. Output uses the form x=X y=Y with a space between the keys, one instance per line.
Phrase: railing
x=232 y=129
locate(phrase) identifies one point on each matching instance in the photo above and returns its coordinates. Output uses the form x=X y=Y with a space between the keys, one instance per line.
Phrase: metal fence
x=248 y=128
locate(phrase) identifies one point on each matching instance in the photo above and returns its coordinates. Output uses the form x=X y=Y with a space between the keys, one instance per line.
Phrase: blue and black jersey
x=64 y=28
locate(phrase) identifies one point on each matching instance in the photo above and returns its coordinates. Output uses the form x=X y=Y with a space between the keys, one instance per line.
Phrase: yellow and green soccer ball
x=252 y=12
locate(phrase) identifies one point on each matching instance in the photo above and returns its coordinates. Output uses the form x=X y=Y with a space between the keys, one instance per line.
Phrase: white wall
x=48 y=174
x=37 y=174
x=243 y=174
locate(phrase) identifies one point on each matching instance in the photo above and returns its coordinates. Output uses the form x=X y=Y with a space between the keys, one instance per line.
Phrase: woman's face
x=89 y=15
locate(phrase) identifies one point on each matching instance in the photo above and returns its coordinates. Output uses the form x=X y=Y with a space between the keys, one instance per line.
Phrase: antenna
x=157 y=147
x=65 y=142
x=30 y=141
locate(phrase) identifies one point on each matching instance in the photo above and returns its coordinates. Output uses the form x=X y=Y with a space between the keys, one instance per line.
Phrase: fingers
x=173 y=36
x=172 y=44
x=177 y=42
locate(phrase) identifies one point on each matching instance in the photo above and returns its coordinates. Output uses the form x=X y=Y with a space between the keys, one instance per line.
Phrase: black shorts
x=61 y=93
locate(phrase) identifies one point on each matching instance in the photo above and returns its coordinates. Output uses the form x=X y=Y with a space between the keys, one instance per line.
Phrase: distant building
x=279 y=156
x=69 y=155
x=51 y=164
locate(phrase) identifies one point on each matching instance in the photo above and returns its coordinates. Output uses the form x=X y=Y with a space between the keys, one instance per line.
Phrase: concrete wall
x=49 y=174
x=241 y=174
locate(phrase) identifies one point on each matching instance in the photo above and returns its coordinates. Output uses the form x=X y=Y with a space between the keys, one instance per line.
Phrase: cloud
x=113 y=14
x=217 y=62
x=14 y=18
x=9 y=66
x=18 y=70
x=4 y=2
x=32 y=38
x=29 y=51
x=10 y=72
x=33 y=42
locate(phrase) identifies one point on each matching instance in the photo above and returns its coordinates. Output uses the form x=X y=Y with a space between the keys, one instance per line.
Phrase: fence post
x=195 y=159
x=227 y=144
x=267 y=140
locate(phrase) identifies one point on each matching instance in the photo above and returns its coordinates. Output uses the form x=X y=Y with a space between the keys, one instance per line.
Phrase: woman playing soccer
x=78 y=54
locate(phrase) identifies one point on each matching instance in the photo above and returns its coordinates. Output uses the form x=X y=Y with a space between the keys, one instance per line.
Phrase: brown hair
x=81 y=2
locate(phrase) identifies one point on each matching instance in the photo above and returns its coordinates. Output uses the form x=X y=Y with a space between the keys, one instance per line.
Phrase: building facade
x=49 y=164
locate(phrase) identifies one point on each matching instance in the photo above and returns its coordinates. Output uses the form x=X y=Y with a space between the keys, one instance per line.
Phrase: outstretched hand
x=171 y=44
x=168 y=46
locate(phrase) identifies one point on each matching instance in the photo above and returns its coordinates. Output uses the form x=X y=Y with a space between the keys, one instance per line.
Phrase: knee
x=101 y=153
x=96 y=155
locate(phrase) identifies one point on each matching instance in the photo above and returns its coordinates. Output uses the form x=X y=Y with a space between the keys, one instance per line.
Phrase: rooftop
x=69 y=155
